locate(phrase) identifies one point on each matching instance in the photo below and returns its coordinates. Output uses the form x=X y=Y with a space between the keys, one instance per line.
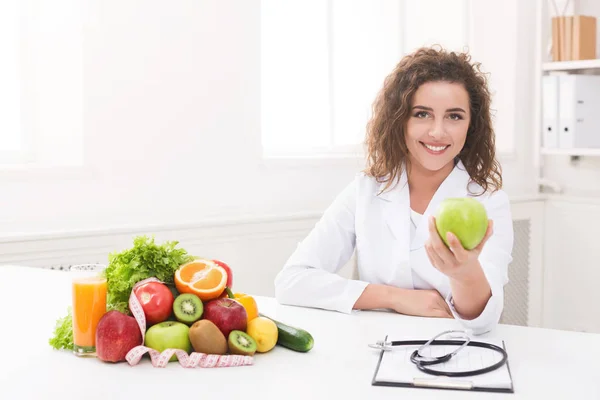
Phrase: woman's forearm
x=423 y=303
x=471 y=293
x=375 y=296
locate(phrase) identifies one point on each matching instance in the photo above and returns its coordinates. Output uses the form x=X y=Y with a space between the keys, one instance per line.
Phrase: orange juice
x=89 y=305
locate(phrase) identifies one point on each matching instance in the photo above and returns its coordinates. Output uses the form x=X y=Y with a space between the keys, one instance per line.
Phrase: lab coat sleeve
x=309 y=277
x=494 y=259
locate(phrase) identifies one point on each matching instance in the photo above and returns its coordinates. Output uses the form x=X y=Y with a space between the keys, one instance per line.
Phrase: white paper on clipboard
x=396 y=367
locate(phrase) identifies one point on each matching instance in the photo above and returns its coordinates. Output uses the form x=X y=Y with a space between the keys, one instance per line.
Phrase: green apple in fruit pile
x=169 y=335
x=465 y=217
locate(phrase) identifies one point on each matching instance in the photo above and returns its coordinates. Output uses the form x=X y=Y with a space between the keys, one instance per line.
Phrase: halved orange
x=203 y=278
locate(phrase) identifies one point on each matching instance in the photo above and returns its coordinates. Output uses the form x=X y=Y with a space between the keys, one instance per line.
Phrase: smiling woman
x=438 y=124
x=430 y=139
x=438 y=99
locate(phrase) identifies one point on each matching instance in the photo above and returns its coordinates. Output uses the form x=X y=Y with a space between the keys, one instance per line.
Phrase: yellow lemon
x=264 y=332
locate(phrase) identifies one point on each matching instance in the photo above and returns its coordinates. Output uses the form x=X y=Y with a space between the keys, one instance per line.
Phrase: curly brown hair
x=385 y=140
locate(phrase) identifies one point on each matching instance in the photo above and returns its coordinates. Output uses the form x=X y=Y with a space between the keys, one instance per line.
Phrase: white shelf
x=571 y=152
x=571 y=65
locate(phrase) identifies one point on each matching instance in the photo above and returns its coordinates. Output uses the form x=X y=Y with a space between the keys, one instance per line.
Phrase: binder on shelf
x=578 y=109
x=550 y=111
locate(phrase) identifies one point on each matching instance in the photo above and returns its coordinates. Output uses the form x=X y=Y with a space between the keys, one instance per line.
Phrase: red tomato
x=229 y=273
x=156 y=300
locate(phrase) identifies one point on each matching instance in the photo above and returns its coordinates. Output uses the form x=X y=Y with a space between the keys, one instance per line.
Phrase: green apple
x=169 y=335
x=465 y=217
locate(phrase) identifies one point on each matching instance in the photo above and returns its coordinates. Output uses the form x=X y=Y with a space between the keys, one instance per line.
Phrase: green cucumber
x=293 y=338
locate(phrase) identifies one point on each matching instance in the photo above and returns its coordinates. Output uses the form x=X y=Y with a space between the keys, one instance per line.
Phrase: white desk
x=544 y=363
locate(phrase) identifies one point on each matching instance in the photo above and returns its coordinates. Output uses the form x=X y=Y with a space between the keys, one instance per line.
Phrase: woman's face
x=437 y=127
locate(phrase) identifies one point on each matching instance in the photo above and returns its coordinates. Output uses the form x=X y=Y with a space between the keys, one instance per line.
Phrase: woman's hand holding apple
x=454 y=260
x=468 y=283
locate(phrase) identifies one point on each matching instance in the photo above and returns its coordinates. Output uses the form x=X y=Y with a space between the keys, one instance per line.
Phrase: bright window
x=41 y=76
x=323 y=62
x=11 y=143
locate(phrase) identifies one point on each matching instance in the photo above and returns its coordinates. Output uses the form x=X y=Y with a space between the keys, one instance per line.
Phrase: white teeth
x=435 y=148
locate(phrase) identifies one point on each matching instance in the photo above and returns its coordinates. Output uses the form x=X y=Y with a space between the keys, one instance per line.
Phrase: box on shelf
x=573 y=38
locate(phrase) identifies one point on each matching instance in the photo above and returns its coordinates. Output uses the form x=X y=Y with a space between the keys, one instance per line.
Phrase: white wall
x=572 y=269
x=171 y=124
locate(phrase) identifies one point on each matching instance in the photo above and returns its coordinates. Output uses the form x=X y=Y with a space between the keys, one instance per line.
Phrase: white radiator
x=256 y=248
x=516 y=291
x=523 y=294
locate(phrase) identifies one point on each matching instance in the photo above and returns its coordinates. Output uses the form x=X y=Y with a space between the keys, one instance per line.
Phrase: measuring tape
x=186 y=360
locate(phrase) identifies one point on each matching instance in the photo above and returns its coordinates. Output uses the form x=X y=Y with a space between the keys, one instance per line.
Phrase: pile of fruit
x=191 y=308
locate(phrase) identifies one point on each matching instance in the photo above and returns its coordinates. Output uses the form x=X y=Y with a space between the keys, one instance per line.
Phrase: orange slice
x=203 y=278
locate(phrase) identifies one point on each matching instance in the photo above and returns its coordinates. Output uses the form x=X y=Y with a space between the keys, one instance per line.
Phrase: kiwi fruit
x=188 y=308
x=207 y=338
x=240 y=342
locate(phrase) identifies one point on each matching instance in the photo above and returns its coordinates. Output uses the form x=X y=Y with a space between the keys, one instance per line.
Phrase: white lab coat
x=377 y=226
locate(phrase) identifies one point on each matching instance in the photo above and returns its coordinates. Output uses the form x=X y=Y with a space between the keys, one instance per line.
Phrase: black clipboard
x=442 y=383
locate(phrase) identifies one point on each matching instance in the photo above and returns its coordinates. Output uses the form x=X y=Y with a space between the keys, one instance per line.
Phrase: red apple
x=156 y=300
x=227 y=268
x=227 y=314
x=116 y=334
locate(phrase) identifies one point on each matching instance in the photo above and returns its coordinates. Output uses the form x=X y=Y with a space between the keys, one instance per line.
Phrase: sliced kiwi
x=240 y=342
x=188 y=308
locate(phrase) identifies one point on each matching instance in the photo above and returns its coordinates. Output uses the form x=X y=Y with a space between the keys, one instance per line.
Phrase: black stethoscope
x=422 y=362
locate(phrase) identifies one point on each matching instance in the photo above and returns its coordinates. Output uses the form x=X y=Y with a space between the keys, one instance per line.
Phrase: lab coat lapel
x=395 y=208
x=455 y=185
x=395 y=215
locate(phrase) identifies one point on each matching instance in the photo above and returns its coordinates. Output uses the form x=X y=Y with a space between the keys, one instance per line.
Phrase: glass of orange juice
x=89 y=290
